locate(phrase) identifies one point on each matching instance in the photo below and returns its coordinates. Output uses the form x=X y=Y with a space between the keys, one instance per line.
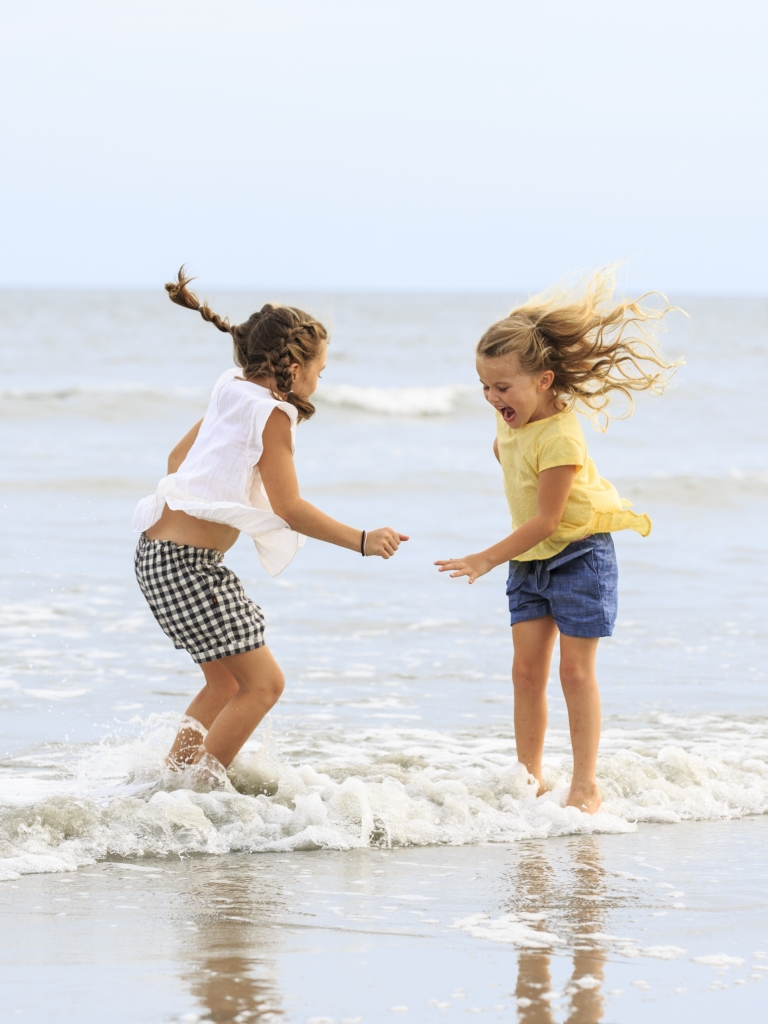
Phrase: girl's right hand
x=383 y=542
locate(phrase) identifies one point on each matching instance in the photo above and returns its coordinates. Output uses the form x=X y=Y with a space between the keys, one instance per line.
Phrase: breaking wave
x=409 y=401
x=115 y=799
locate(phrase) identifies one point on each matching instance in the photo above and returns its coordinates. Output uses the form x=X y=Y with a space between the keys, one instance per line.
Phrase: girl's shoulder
x=568 y=423
x=562 y=424
x=226 y=377
x=233 y=389
x=560 y=441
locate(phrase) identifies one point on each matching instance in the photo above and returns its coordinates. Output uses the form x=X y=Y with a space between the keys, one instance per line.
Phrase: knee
x=225 y=686
x=575 y=677
x=275 y=687
x=527 y=678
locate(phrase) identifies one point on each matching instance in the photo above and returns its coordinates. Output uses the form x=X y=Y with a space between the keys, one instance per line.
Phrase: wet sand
x=583 y=929
x=397 y=720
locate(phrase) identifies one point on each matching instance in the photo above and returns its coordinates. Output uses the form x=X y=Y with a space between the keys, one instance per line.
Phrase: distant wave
x=100 y=391
x=410 y=401
x=690 y=489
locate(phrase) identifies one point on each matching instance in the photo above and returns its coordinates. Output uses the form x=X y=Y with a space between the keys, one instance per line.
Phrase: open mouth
x=507 y=414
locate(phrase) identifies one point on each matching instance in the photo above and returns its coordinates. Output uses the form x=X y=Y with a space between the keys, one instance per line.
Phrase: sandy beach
x=399 y=864
x=668 y=924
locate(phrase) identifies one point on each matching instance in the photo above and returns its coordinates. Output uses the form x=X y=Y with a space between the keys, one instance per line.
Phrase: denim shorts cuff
x=584 y=631
x=528 y=615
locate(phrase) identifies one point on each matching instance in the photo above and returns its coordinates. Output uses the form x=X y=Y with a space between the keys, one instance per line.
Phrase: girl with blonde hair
x=233 y=472
x=557 y=352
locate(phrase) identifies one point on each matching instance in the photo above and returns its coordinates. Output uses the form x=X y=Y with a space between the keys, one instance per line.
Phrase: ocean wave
x=691 y=489
x=119 y=398
x=408 y=401
x=99 y=391
x=116 y=799
x=405 y=401
x=118 y=401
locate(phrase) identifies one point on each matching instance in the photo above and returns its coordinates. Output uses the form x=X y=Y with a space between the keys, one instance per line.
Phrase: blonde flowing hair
x=594 y=345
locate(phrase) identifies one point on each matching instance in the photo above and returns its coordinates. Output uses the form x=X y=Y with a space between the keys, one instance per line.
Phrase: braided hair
x=267 y=343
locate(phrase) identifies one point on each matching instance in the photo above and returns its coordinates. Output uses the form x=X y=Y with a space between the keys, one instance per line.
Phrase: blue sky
x=416 y=145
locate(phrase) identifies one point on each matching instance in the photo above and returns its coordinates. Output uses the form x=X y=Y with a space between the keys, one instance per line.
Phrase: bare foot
x=585 y=796
x=208 y=772
x=542 y=789
x=186 y=746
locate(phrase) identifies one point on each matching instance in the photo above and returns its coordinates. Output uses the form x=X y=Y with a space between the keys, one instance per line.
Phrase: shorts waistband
x=182 y=552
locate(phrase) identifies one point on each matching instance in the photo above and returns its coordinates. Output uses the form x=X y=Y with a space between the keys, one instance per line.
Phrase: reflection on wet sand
x=229 y=939
x=573 y=906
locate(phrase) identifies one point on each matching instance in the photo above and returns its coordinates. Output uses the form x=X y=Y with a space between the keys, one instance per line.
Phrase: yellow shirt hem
x=600 y=522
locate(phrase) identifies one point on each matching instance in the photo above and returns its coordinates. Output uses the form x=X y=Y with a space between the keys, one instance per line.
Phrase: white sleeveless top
x=220 y=481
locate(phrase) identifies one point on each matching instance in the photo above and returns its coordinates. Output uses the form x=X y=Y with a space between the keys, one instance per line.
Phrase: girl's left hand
x=472 y=566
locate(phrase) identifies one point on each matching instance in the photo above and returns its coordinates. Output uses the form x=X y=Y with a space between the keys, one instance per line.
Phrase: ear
x=546 y=380
x=294 y=368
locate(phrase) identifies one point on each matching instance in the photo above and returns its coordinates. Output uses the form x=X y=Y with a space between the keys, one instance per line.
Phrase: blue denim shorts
x=578 y=587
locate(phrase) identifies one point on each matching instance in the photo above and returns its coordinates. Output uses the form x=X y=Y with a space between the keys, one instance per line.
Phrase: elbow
x=287 y=510
x=549 y=525
x=174 y=461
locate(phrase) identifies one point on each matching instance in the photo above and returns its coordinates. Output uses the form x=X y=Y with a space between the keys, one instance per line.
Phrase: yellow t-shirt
x=593 y=505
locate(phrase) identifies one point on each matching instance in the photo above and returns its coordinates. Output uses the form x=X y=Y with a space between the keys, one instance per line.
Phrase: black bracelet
x=362 y=543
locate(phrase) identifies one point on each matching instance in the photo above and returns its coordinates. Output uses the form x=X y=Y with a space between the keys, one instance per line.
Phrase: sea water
x=395 y=728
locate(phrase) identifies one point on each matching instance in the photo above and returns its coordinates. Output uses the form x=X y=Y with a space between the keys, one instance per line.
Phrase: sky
x=421 y=145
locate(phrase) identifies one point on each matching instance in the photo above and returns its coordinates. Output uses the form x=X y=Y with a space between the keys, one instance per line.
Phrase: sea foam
x=115 y=799
x=406 y=401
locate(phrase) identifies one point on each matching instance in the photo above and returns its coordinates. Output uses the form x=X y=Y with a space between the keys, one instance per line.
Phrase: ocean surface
x=395 y=729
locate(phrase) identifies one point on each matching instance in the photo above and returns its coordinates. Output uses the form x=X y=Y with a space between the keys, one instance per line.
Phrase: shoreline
x=611 y=926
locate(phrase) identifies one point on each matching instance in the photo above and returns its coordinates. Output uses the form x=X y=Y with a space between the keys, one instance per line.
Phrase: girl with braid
x=234 y=472
x=558 y=351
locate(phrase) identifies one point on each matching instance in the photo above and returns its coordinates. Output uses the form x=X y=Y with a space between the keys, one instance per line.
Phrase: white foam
x=508 y=928
x=719 y=960
x=587 y=981
x=628 y=947
x=391 y=786
x=663 y=952
x=408 y=401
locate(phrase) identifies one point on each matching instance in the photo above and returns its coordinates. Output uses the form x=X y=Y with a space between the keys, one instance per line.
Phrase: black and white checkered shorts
x=199 y=603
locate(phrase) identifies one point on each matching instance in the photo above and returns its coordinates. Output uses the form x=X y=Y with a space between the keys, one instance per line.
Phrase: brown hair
x=592 y=344
x=267 y=343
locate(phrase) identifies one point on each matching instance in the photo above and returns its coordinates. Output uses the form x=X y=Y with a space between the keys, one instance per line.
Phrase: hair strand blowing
x=593 y=345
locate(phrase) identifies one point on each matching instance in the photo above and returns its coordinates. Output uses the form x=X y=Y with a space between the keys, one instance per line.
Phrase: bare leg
x=577 y=674
x=260 y=682
x=533 y=642
x=220 y=687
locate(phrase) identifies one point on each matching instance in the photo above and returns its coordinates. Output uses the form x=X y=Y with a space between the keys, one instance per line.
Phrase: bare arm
x=496 y=449
x=181 y=450
x=278 y=474
x=554 y=487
